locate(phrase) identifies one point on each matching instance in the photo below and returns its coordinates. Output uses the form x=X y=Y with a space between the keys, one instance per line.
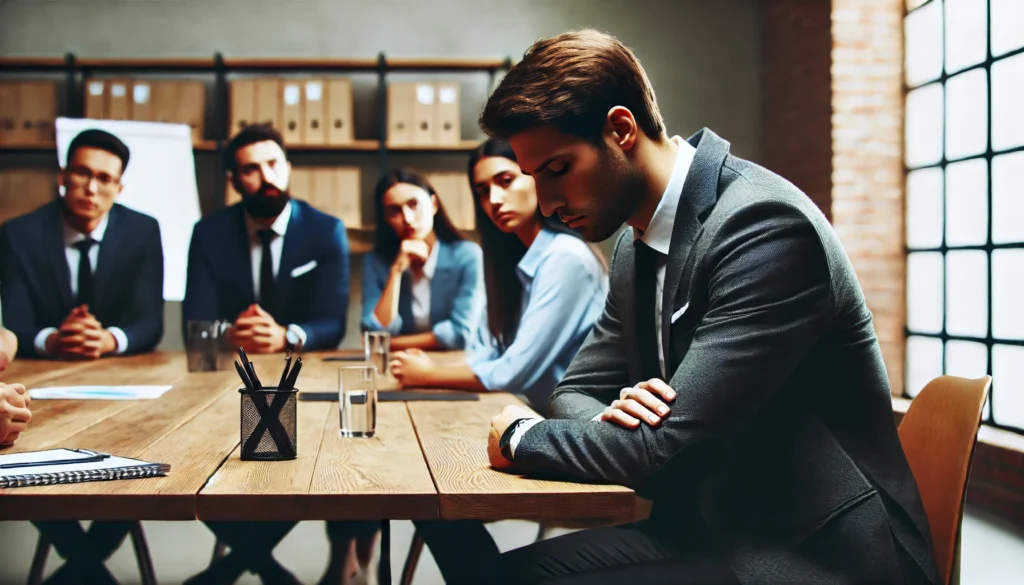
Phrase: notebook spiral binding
x=134 y=472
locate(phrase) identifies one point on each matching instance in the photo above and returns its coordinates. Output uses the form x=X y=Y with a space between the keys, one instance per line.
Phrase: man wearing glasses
x=82 y=277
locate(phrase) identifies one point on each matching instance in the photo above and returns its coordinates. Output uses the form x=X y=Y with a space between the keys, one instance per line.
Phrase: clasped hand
x=257 y=332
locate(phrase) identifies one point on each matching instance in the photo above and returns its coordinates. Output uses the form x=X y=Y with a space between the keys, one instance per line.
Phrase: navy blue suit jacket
x=35 y=284
x=220 y=284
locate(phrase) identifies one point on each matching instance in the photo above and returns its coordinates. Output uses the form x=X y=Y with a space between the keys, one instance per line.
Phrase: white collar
x=71 y=235
x=659 y=232
x=279 y=227
x=431 y=264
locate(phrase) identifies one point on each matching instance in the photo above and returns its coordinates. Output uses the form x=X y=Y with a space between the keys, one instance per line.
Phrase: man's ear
x=621 y=127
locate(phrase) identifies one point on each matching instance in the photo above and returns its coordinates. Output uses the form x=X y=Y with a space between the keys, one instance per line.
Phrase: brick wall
x=796 y=97
x=867 y=160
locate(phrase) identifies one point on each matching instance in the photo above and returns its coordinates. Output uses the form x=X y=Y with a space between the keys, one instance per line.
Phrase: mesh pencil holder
x=268 y=425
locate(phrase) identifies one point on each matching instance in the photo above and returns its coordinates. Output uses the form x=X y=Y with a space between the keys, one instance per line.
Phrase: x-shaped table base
x=85 y=552
x=251 y=549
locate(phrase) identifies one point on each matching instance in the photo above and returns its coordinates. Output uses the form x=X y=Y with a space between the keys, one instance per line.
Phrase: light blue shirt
x=564 y=290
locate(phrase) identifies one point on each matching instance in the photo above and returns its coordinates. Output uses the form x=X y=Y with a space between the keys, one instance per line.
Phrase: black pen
x=243 y=376
x=92 y=459
x=255 y=378
x=293 y=376
x=284 y=373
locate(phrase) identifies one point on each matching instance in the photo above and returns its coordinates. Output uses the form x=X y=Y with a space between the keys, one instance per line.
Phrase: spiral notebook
x=71 y=466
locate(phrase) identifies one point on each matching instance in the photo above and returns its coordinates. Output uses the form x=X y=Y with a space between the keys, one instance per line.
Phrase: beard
x=262 y=205
x=621 y=186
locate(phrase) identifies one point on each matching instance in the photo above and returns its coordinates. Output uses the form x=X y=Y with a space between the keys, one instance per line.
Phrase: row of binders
x=28 y=110
x=175 y=102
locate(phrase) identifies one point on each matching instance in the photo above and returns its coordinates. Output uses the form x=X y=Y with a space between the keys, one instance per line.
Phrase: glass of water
x=202 y=345
x=357 y=400
x=377 y=345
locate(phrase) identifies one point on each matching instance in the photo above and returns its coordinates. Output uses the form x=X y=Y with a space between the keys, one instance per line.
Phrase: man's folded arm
x=599 y=370
x=770 y=300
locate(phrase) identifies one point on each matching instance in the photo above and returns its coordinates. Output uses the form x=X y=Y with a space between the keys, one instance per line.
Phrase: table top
x=428 y=459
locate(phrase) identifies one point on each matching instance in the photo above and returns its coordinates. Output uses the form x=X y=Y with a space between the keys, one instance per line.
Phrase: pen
x=293 y=376
x=284 y=373
x=243 y=376
x=92 y=459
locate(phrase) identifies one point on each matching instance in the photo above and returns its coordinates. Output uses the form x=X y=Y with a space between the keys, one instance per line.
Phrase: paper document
x=98 y=392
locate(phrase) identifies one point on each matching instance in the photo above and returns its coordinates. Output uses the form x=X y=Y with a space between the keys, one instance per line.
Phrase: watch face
x=292 y=337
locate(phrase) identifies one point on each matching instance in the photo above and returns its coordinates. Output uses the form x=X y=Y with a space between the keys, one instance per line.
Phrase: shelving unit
x=216 y=68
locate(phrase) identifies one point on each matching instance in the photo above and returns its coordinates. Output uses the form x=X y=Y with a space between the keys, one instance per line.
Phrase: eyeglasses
x=82 y=176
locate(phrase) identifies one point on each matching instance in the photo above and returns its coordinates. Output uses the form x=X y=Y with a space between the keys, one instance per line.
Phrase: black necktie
x=85 y=286
x=267 y=272
x=646 y=265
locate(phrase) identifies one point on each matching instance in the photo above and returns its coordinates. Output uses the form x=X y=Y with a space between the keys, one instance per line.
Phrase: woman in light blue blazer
x=545 y=288
x=422 y=282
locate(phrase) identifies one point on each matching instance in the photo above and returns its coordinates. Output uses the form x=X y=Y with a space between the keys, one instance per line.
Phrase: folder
x=401 y=97
x=38 y=112
x=314 y=113
x=447 y=130
x=291 y=111
x=142 y=101
x=339 y=111
x=25 y=190
x=453 y=191
x=467 y=205
x=10 y=96
x=165 y=101
x=423 y=114
x=95 y=99
x=300 y=185
x=119 y=106
x=243 y=105
x=268 y=106
x=346 y=197
x=191 y=107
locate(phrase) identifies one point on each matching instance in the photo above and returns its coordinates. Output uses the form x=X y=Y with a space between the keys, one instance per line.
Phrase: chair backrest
x=938 y=434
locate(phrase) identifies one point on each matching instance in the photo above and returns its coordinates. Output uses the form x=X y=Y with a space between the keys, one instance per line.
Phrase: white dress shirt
x=659 y=237
x=421 y=291
x=72 y=237
x=280 y=228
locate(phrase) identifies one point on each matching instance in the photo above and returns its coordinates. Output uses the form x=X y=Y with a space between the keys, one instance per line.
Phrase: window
x=964 y=155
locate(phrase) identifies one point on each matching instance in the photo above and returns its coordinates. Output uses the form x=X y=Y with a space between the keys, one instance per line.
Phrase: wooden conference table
x=428 y=460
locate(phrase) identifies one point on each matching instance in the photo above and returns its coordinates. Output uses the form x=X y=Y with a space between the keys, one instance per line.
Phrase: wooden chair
x=939 y=434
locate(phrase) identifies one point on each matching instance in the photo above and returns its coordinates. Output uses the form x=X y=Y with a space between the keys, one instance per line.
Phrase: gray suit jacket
x=780 y=451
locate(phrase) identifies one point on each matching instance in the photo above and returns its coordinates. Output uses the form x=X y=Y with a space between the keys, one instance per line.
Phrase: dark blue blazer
x=220 y=284
x=35 y=284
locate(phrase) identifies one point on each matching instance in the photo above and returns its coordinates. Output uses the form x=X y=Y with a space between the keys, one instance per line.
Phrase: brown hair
x=572 y=80
x=387 y=242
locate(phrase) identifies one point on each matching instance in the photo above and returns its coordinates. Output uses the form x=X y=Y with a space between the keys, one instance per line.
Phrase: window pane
x=1008 y=198
x=924 y=126
x=924 y=292
x=966 y=359
x=923 y=54
x=1008 y=385
x=1007 y=32
x=1007 y=294
x=967 y=114
x=924 y=362
x=967 y=290
x=966 y=33
x=1008 y=102
x=924 y=208
x=967 y=203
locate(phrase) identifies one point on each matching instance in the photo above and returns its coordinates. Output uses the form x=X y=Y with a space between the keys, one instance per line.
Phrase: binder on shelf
x=95 y=99
x=10 y=96
x=345 y=197
x=142 y=101
x=401 y=97
x=243 y=105
x=71 y=466
x=423 y=114
x=268 y=106
x=191 y=107
x=291 y=111
x=447 y=130
x=119 y=105
x=314 y=113
x=452 y=190
x=467 y=207
x=38 y=112
x=301 y=184
x=165 y=101
x=340 y=129
x=25 y=190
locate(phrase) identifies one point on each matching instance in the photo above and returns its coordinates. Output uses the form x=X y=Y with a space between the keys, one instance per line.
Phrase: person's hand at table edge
x=501 y=458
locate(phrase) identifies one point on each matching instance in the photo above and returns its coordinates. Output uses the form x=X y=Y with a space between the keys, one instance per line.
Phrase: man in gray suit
x=734 y=378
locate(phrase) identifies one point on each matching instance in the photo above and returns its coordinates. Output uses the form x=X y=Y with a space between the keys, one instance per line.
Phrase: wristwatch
x=505 y=442
x=292 y=342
